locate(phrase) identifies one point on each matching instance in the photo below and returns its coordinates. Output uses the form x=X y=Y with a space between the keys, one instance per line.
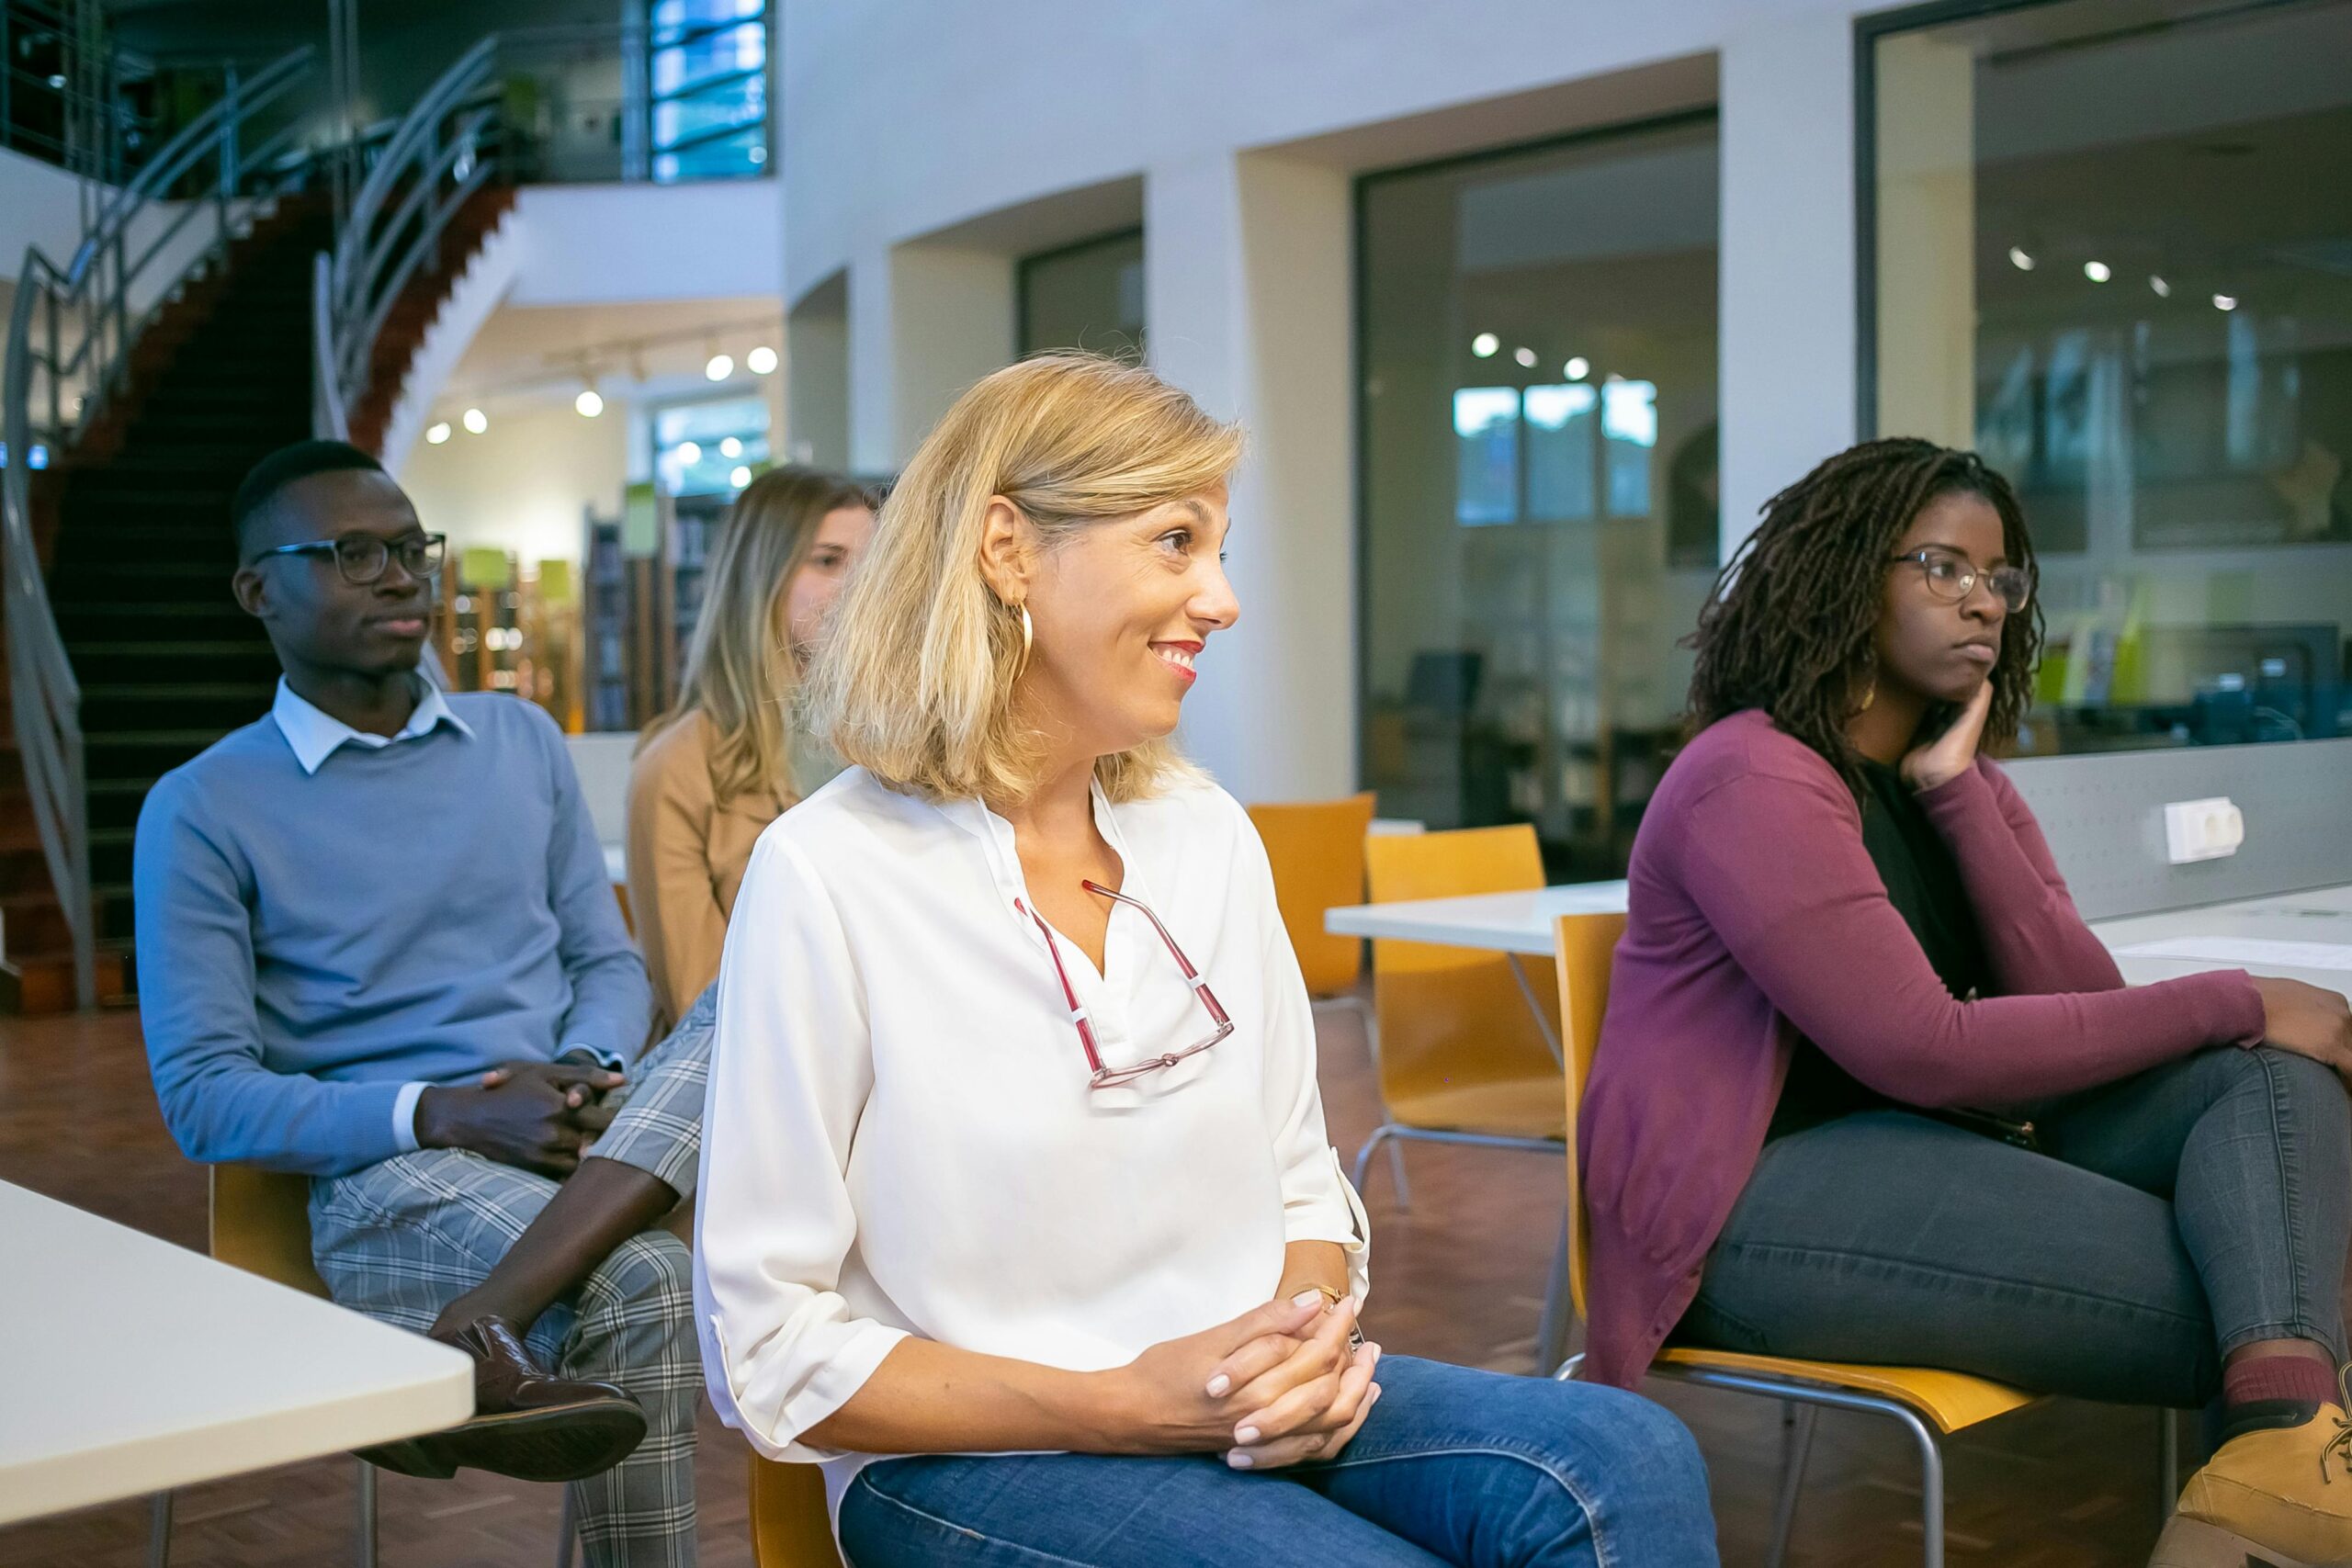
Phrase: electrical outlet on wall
x=2202 y=829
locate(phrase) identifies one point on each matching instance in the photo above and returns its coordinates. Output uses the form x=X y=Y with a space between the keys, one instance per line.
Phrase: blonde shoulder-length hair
x=915 y=684
x=741 y=672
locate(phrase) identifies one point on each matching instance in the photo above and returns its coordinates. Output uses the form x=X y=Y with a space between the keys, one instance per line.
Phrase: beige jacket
x=686 y=856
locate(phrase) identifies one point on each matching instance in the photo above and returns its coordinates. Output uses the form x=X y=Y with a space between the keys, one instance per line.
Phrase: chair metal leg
x=1551 y=1336
x=159 y=1531
x=1797 y=1448
x=366 y=1514
x=1931 y=1491
x=2167 y=1464
x=1363 y=1010
x=567 y=1541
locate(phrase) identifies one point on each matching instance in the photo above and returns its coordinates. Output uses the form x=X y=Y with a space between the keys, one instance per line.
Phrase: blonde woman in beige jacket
x=726 y=761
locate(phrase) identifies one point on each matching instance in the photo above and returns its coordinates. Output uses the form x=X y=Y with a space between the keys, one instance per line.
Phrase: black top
x=1923 y=882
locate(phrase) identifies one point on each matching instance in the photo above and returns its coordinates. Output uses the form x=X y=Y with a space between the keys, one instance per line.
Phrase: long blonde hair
x=739 y=674
x=916 y=683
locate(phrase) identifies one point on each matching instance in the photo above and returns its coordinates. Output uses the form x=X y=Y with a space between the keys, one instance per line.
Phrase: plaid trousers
x=398 y=1240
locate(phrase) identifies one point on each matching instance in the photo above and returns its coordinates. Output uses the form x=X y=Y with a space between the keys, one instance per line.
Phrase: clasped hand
x=1276 y=1386
x=538 y=1116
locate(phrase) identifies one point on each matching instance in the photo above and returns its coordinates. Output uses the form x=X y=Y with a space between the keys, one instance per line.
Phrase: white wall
x=38 y=206
x=521 y=485
x=599 y=244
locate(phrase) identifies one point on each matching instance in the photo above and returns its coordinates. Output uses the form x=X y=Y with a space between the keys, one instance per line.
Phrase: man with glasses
x=377 y=945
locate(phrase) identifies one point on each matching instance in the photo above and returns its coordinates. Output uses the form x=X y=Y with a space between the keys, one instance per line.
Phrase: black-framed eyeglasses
x=1953 y=577
x=361 y=557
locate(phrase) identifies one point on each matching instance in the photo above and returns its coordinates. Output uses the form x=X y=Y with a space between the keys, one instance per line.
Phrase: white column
x=1247 y=282
x=816 y=377
x=1926 y=239
x=1787 y=280
x=925 y=322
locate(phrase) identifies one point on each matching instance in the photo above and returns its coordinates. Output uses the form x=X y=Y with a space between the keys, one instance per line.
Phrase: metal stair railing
x=439 y=155
x=71 y=335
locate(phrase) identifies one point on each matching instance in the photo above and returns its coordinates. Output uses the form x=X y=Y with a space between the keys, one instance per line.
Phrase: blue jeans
x=2169 y=1219
x=1452 y=1466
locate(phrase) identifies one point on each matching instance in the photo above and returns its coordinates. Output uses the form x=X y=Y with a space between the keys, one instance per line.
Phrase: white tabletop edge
x=78 y=1432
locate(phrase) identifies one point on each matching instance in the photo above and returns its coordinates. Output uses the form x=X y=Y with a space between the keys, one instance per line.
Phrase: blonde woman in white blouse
x=1018 y=1214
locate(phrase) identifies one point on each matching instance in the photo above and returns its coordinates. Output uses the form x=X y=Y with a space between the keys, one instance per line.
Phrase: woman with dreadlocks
x=1868 y=1089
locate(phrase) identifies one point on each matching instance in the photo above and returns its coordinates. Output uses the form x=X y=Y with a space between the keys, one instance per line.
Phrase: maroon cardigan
x=1756 y=919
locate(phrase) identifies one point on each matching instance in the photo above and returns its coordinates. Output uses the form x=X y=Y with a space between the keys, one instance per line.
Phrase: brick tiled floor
x=2060 y=1485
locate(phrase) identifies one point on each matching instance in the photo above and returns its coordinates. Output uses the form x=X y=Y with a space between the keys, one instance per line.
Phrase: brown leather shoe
x=528 y=1424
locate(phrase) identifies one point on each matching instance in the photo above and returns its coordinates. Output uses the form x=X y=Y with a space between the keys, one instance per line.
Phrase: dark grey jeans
x=2169 y=1219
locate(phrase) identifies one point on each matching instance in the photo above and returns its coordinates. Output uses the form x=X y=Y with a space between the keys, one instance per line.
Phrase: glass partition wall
x=2111 y=248
x=1538 y=479
x=1088 y=296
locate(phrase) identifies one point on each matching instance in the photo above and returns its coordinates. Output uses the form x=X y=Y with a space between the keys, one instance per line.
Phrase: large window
x=2113 y=251
x=1086 y=296
x=710 y=88
x=1538 y=463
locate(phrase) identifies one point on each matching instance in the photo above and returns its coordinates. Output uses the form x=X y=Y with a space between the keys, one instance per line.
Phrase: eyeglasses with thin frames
x=1953 y=577
x=1099 y=1075
x=362 y=558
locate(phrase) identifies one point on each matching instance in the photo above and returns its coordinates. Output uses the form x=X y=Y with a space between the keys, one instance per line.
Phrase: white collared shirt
x=314 y=734
x=899 y=1134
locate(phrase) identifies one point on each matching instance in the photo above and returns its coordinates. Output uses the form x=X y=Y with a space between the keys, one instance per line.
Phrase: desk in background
x=2308 y=923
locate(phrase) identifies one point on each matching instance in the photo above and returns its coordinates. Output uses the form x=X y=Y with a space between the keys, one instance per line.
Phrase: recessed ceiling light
x=1577 y=369
x=721 y=367
x=476 y=421
x=761 y=360
x=2162 y=289
x=437 y=433
x=2097 y=271
x=1484 y=345
x=590 y=402
x=2225 y=301
x=2019 y=260
x=1526 y=356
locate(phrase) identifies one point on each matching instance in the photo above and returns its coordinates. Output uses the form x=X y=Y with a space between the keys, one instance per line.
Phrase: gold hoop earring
x=1869 y=695
x=1028 y=637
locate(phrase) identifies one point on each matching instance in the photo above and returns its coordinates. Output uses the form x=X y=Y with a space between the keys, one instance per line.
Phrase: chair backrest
x=790 y=1525
x=261 y=1223
x=1317 y=849
x=1453 y=1016
x=1585 y=949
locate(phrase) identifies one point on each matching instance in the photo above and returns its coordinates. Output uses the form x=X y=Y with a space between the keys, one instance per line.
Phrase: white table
x=1521 y=924
x=129 y=1366
x=1517 y=925
x=2323 y=917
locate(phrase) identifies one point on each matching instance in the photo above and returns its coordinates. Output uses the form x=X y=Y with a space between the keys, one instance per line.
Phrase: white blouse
x=901 y=1138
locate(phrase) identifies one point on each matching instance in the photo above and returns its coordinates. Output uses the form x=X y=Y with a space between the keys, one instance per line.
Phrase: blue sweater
x=419 y=912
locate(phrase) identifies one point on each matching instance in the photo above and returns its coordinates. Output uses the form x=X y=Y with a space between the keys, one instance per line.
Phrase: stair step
x=42 y=983
x=254 y=651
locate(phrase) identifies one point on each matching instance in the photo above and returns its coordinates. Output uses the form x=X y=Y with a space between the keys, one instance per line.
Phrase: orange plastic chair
x=1316 y=851
x=790 y=1528
x=1462 y=1059
x=261 y=1223
x=1929 y=1402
